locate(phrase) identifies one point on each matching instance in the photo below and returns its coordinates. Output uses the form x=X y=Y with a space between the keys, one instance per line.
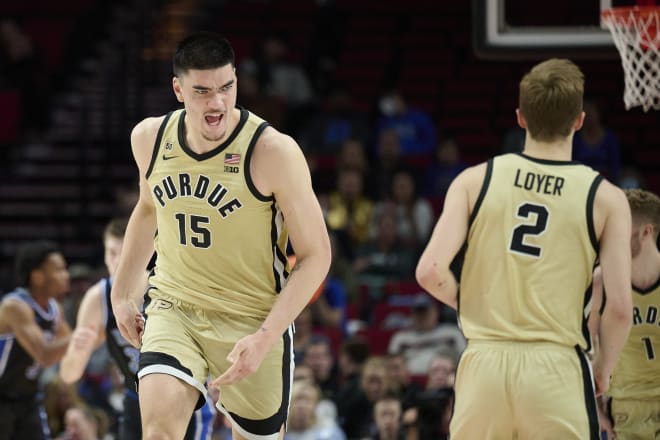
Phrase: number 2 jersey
x=637 y=372
x=19 y=372
x=221 y=244
x=530 y=253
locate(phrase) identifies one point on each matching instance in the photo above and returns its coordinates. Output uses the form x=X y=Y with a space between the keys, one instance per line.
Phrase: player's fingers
x=230 y=376
x=130 y=335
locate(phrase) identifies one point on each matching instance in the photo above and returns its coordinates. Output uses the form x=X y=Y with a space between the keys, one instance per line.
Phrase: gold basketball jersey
x=531 y=248
x=637 y=372
x=220 y=243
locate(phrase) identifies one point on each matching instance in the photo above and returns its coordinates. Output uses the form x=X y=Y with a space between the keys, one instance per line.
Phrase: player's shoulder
x=472 y=176
x=273 y=144
x=611 y=196
x=147 y=129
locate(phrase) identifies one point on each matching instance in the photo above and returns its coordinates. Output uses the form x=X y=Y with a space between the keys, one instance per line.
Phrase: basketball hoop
x=636 y=37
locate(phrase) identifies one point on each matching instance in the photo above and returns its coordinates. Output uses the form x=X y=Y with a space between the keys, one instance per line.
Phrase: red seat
x=379 y=339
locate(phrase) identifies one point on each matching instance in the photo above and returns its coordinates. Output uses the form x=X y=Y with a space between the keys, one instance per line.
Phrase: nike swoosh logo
x=168 y=157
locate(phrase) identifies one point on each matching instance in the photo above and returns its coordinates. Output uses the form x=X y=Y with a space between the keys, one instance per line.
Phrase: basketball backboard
x=518 y=29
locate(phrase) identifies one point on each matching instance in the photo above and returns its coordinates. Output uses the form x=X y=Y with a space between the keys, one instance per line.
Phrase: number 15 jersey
x=531 y=249
x=220 y=243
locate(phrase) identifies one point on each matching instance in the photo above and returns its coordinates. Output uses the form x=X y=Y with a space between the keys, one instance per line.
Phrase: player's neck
x=40 y=297
x=645 y=268
x=561 y=150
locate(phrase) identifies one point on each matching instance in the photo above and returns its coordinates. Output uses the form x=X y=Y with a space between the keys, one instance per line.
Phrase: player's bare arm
x=279 y=168
x=127 y=288
x=613 y=220
x=20 y=320
x=433 y=272
x=87 y=336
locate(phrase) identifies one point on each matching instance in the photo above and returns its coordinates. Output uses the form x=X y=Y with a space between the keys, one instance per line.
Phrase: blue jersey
x=19 y=372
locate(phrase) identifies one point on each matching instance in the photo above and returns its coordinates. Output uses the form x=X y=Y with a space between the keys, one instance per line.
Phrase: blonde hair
x=550 y=99
x=645 y=206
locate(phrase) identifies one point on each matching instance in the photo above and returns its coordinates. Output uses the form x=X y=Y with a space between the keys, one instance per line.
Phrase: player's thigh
x=554 y=394
x=481 y=405
x=169 y=345
x=636 y=419
x=257 y=404
x=166 y=404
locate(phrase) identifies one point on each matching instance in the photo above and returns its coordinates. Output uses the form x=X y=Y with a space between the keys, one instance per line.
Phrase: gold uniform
x=221 y=261
x=635 y=387
x=523 y=304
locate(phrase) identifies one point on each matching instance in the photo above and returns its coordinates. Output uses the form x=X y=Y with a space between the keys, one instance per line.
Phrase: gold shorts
x=523 y=390
x=192 y=343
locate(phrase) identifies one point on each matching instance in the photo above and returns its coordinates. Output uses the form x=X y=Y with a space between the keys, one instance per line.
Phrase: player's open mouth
x=214 y=119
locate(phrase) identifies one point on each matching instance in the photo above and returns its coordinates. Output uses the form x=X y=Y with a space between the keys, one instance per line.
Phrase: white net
x=635 y=34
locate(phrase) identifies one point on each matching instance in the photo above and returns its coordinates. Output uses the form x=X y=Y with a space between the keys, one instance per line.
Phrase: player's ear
x=579 y=121
x=176 y=86
x=521 y=119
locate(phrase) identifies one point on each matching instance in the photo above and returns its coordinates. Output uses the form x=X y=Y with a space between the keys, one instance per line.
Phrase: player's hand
x=130 y=322
x=84 y=338
x=603 y=419
x=245 y=357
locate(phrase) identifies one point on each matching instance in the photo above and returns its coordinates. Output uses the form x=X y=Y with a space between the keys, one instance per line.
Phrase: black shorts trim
x=274 y=423
x=589 y=395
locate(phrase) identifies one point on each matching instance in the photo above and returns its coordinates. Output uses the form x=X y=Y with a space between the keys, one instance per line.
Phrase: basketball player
x=96 y=325
x=224 y=191
x=534 y=223
x=634 y=407
x=33 y=335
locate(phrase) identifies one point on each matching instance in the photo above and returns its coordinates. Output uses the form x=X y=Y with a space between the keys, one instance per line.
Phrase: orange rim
x=623 y=13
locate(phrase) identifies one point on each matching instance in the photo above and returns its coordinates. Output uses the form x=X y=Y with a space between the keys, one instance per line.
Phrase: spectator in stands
x=84 y=423
x=446 y=165
x=349 y=211
x=426 y=336
x=596 y=145
x=415 y=128
x=386 y=257
x=431 y=411
x=400 y=380
x=353 y=353
x=304 y=422
x=281 y=79
x=414 y=214
x=335 y=124
x=388 y=161
x=329 y=308
x=320 y=358
x=81 y=278
x=387 y=417
x=59 y=397
x=442 y=369
x=356 y=414
x=303 y=334
x=251 y=95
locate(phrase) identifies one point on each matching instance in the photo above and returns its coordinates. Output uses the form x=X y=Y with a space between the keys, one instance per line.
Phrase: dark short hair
x=202 y=51
x=31 y=256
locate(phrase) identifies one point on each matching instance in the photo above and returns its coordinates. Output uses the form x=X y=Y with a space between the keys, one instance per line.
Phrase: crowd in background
x=375 y=355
